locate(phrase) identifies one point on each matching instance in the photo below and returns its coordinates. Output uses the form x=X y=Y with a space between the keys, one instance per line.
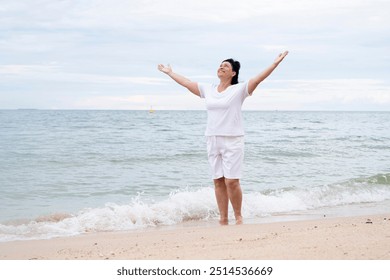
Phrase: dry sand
x=364 y=237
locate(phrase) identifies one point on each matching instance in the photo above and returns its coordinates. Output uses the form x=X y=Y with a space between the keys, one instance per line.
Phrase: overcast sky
x=103 y=54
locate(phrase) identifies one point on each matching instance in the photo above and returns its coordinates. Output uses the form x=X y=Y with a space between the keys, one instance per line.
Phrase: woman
x=225 y=132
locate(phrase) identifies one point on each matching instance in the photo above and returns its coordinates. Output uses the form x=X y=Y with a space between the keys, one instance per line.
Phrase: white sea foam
x=180 y=206
x=197 y=205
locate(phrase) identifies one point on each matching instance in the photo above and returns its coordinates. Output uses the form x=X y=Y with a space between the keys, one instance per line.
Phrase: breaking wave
x=197 y=205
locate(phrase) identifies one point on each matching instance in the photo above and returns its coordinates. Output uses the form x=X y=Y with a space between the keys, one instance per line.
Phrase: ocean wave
x=181 y=205
x=197 y=205
x=284 y=200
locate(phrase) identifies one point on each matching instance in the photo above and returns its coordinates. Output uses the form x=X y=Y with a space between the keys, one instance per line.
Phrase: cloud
x=184 y=101
x=22 y=69
x=122 y=13
x=326 y=94
x=54 y=73
x=109 y=102
x=86 y=49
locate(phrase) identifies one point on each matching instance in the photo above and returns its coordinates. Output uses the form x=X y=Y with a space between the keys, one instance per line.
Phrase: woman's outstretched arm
x=255 y=81
x=181 y=80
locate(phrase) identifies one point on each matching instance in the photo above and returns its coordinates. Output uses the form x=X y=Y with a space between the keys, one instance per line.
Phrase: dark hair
x=236 y=68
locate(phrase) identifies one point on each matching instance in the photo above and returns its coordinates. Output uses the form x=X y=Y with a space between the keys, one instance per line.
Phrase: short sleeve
x=202 y=90
x=244 y=91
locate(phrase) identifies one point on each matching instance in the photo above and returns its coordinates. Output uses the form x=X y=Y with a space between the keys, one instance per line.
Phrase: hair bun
x=237 y=64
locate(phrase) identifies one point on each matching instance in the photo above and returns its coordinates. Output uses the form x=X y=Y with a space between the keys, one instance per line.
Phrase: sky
x=103 y=54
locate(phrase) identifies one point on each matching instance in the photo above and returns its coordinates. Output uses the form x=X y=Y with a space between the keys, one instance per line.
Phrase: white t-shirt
x=224 y=117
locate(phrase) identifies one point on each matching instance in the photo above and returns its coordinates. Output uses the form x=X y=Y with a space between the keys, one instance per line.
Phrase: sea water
x=69 y=172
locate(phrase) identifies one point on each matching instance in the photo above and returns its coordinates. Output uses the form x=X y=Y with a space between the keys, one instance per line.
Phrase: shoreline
x=365 y=237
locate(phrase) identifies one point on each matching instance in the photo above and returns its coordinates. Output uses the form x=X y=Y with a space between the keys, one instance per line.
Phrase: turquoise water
x=69 y=172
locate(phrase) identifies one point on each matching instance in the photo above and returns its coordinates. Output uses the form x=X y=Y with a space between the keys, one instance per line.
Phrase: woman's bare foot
x=223 y=222
x=239 y=220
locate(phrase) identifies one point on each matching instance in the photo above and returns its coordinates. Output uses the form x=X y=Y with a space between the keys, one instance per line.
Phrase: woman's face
x=225 y=70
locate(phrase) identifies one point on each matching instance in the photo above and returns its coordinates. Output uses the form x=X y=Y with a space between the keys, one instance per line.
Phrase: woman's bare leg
x=235 y=196
x=222 y=197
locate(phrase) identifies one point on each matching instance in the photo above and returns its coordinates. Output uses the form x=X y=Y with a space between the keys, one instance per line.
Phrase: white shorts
x=226 y=155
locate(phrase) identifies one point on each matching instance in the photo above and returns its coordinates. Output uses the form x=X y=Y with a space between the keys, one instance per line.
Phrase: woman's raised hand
x=165 y=69
x=280 y=57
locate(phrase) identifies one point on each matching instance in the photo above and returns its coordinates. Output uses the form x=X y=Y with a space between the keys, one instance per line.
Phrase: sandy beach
x=363 y=237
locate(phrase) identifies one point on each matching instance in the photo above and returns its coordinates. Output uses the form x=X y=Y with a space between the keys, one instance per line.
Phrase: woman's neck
x=223 y=85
